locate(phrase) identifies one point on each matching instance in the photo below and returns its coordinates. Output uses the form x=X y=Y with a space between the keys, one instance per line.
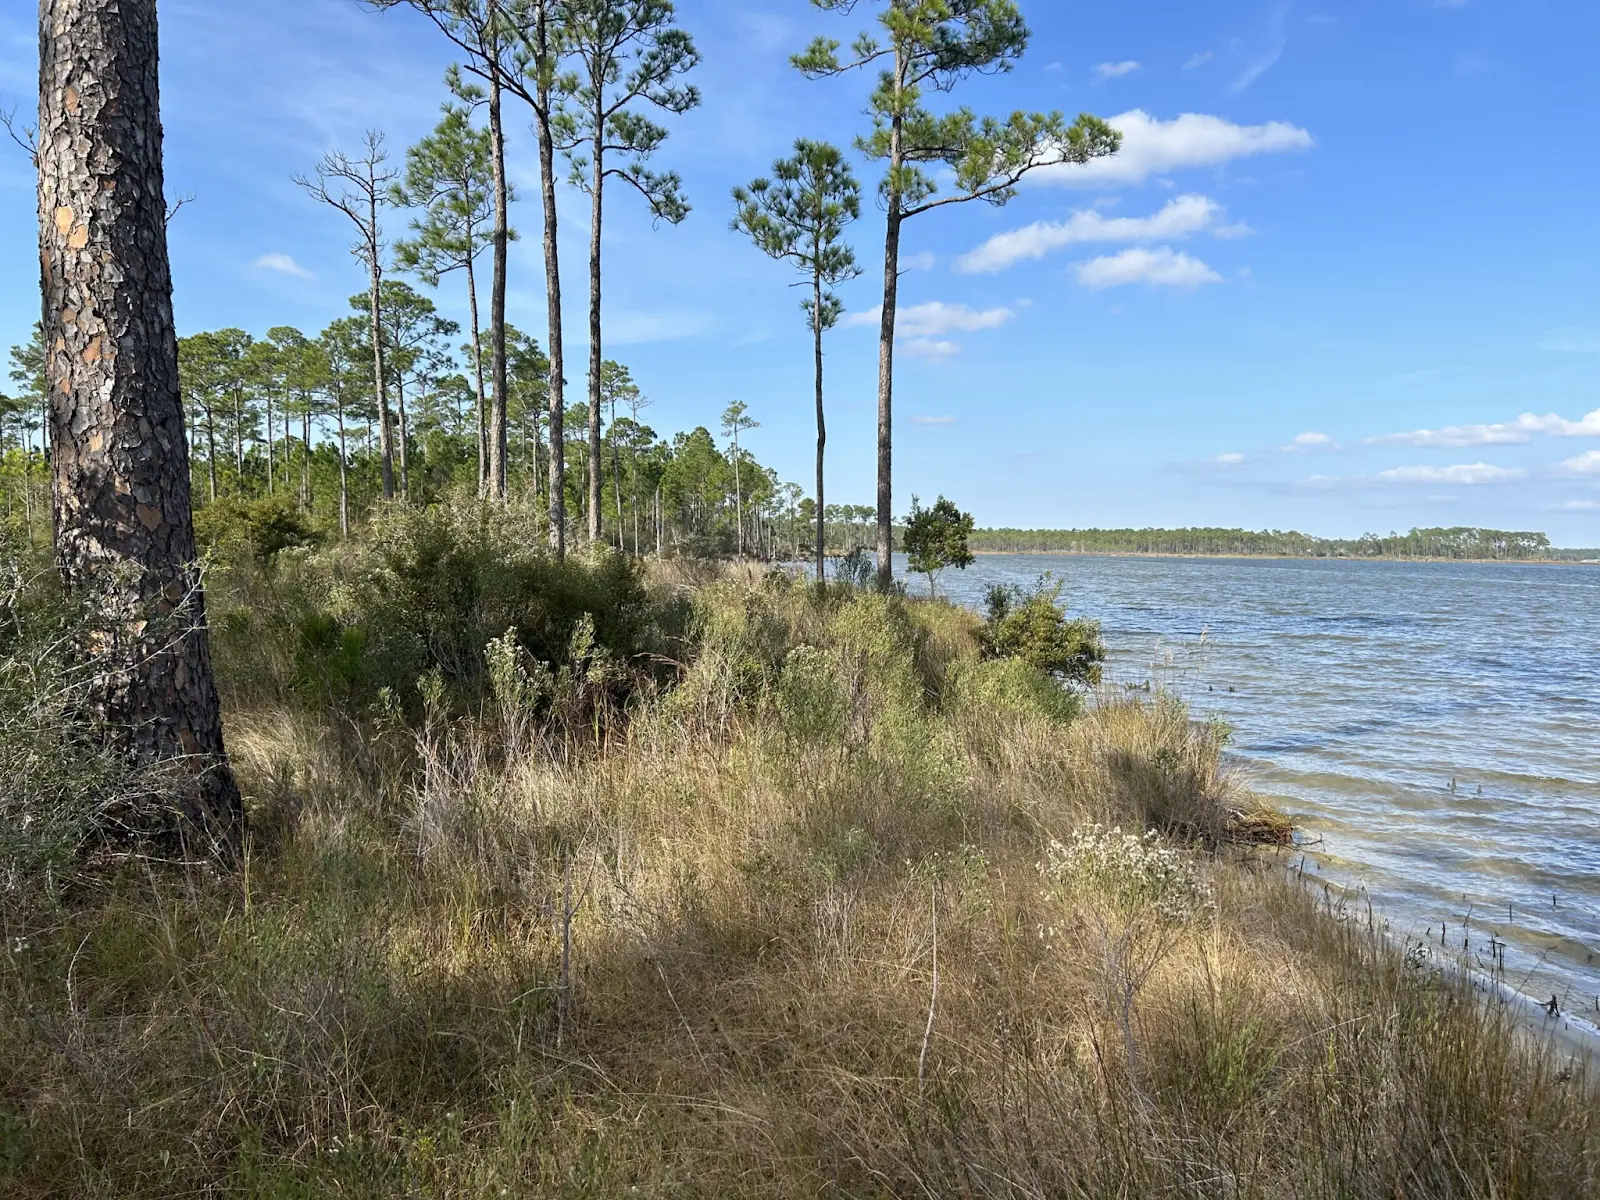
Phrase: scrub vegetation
x=589 y=879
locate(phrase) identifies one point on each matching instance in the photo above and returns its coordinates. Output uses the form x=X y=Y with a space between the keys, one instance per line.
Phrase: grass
x=790 y=924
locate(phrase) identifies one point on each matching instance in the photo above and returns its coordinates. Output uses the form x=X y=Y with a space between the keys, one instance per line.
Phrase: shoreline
x=1375 y=558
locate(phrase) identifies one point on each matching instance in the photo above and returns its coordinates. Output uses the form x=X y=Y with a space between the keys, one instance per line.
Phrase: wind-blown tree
x=735 y=420
x=359 y=188
x=124 y=526
x=932 y=46
x=482 y=30
x=799 y=216
x=628 y=55
x=450 y=177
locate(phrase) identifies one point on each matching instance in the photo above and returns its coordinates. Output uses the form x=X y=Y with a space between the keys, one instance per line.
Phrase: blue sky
x=1342 y=277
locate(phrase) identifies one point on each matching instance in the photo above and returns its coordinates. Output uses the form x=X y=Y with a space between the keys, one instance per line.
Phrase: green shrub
x=1033 y=626
x=257 y=530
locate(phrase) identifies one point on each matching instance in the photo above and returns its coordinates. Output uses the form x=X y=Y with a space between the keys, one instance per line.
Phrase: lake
x=1433 y=728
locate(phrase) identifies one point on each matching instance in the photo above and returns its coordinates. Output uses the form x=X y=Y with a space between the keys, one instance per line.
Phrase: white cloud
x=1312 y=438
x=284 y=265
x=935 y=348
x=1580 y=505
x=1109 y=70
x=1151 y=146
x=1179 y=218
x=924 y=260
x=933 y=420
x=1584 y=464
x=1198 y=60
x=1230 y=460
x=1161 y=267
x=1506 y=433
x=1464 y=473
x=936 y=319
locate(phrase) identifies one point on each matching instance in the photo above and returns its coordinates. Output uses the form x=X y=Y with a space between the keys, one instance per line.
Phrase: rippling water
x=1436 y=725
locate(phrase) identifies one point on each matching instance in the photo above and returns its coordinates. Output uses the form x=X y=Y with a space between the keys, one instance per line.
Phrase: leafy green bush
x=428 y=590
x=253 y=529
x=1033 y=626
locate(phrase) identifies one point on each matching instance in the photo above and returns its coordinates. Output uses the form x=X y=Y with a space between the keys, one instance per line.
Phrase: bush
x=58 y=785
x=428 y=590
x=259 y=530
x=1033 y=626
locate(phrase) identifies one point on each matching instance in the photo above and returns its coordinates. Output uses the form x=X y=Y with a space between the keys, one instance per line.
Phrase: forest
x=417 y=782
x=1461 y=543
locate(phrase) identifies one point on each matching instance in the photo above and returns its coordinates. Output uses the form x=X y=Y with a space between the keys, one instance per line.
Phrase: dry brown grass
x=701 y=964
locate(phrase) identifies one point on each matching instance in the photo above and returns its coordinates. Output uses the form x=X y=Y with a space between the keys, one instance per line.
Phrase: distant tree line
x=1461 y=542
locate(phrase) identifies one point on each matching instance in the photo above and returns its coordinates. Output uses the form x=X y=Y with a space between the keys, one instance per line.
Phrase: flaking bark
x=124 y=524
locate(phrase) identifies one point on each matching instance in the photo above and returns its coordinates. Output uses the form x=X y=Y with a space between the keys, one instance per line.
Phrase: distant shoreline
x=1244 y=554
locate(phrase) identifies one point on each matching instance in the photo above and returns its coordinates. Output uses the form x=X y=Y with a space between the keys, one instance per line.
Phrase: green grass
x=505 y=948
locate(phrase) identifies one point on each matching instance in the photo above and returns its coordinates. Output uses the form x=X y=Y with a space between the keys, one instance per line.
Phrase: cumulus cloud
x=1584 y=464
x=1230 y=460
x=283 y=264
x=1178 y=218
x=1463 y=473
x=1312 y=438
x=1161 y=267
x=1116 y=70
x=933 y=420
x=936 y=319
x=1505 y=433
x=1151 y=146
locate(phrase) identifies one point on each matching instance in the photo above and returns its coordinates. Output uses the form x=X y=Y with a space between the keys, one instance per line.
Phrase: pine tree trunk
x=305 y=455
x=595 y=353
x=822 y=432
x=211 y=452
x=891 y=296
x=552 y=279
x=379 y=371
x=271 y=464
x=477 y=369
x=405 y=436
x=497 y=300
x=124 y=524
x=344 y=476
x=738 y=498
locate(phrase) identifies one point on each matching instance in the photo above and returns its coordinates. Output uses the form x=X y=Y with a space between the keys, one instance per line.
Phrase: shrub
x=1033 y=626
x=59 y=786
x=1131 y=872
x=253 y=529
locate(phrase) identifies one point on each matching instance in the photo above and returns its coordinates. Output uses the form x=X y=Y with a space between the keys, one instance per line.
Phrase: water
x=1436 y=726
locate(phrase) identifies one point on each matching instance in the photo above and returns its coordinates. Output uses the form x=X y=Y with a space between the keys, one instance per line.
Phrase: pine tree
x=124 y=527
x=932 y=46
